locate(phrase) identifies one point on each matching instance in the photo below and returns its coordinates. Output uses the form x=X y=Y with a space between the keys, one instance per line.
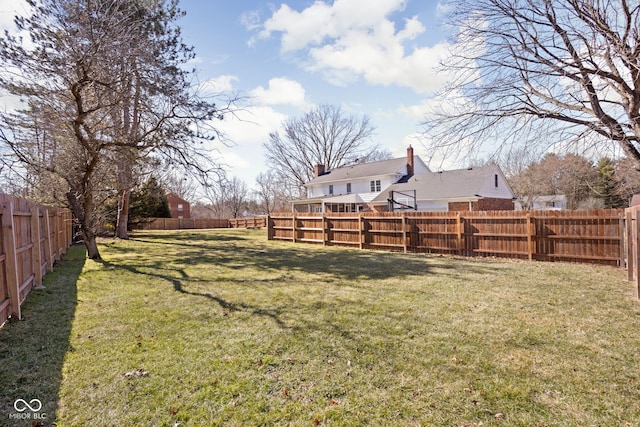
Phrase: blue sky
x=374 y=57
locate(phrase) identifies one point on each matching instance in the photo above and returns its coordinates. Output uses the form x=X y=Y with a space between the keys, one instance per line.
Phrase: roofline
x=449 y=199
x=355 y=178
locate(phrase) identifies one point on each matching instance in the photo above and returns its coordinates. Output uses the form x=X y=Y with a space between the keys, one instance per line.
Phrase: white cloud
x=251 y=19
x=281 y=91
x=218 y=85
x=345 y=42
x=248 y=129
x=320 y=20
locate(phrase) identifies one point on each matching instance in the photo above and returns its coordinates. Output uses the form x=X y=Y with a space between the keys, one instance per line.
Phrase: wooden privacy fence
x=190 y=224
x=252 y=222
x=33 y=237
x=185 y=224
x=633 y=239
x=593 y=236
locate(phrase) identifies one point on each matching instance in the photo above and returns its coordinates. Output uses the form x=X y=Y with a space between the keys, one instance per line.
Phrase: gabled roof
x=455 y=184
x=364 y=170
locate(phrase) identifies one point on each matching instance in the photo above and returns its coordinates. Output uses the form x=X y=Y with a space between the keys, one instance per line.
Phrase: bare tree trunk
x=91 y=244
x=125 y=183
x=122 y=221
x=81 y=208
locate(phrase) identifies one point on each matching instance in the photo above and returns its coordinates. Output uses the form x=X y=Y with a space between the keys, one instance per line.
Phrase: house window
x=375 y=185
x=495 y=179
x=348 y=188
x=180 y=207
x=331 y=189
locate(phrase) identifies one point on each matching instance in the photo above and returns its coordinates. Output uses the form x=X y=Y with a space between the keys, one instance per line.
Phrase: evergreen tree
x=148 y=201
x=104 y=86
x=607 y=186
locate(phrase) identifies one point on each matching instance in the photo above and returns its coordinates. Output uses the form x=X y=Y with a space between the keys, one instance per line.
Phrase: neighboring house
x=405 y=184
x=179 y=207
x=553 y=202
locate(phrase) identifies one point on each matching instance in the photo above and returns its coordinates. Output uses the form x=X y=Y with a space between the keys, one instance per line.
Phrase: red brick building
x=179 y=207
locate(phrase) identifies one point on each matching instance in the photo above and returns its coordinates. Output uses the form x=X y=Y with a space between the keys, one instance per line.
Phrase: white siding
x=361 y=186
x=489 y=189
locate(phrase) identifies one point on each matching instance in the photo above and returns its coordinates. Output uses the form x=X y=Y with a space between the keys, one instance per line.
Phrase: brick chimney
x=410 y=161
x=318 y=170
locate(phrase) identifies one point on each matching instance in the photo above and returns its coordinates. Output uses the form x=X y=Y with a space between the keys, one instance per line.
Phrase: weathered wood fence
x=189 y=223
x=594 y=236
x=633 y=239
x=251 y=222
x=185 y=224
x=33 y=237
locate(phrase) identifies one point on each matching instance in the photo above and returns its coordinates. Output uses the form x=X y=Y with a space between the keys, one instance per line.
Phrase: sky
x=376 y=58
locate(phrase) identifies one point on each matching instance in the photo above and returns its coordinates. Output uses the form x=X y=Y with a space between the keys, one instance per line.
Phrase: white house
x=553 y=202
x=405 y=184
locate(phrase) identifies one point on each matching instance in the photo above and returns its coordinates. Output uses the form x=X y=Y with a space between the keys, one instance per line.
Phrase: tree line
x=102 y=94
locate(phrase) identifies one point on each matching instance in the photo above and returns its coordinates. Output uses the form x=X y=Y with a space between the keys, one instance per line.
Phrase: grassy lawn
x=225 y=328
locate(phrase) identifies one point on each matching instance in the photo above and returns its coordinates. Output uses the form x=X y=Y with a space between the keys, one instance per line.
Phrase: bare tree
x=215 y=197
x=541 y=72
x=269 y=193
x=571 y=175
x=106 y=79
x=323 y=136
x=628 y=177
x=236 y=197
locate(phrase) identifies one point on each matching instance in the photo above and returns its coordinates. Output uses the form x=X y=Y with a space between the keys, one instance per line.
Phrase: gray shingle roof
x=383 y=167
x=461 y=183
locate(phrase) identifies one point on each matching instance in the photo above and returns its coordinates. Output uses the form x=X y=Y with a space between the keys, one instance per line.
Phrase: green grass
x=225 y=328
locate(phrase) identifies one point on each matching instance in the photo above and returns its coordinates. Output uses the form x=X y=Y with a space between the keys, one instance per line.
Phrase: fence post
x=637 y=247
x=459 y=226
x=361 y=234
x=530 y=234
x=48 y=253
x=270 y=229
x=630 y=246
x=293 y=227
x=621 y=233
x=37 y=248
x=404 y=233
x=11 y=267
x=325 y=234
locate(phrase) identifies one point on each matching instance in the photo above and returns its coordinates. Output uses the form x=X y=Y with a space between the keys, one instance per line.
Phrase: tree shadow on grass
x=178 y=287
x=171 y=260
x=342 y=263
x=32 y=350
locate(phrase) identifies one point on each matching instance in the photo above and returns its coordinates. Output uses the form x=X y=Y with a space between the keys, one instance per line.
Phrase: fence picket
x=12 y=283
x=589 y=236
x=26 y=250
